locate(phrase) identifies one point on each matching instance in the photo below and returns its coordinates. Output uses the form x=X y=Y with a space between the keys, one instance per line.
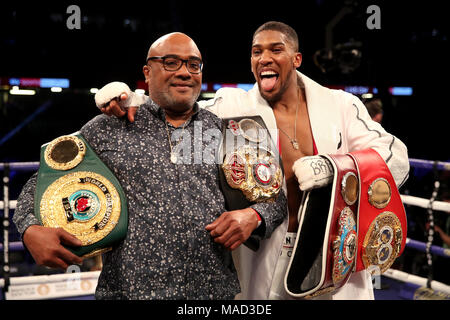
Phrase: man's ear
x=298 y=60
x=146 y=71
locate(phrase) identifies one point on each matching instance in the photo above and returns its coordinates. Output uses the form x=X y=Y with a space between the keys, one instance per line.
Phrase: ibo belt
x=76 y=191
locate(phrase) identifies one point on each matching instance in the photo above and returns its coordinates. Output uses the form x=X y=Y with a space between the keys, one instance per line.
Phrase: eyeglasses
x=174 y=63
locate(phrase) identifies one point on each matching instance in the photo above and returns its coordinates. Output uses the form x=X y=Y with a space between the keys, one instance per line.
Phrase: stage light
x=367 y=96
x=401 y=91
x=54 y=82
x=16 y=91
x=55 y=89
x=208 y=95
x=94 y=90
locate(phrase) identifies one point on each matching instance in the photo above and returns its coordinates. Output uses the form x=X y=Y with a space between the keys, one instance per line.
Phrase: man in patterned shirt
x=168 y=252
x=313 y=121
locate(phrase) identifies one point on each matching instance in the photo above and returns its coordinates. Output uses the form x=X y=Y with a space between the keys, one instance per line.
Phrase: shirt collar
x=159 y=113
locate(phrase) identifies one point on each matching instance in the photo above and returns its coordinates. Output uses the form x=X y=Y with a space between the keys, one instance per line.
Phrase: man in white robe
x=308 y=120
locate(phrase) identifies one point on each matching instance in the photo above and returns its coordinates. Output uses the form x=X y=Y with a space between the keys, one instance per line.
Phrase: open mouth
x=268 y=80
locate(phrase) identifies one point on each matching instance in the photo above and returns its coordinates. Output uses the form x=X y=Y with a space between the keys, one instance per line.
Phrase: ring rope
x=429 y=204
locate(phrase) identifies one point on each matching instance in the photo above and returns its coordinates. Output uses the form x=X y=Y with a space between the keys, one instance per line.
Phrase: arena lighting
x=54 y=82
x=40 y=82
x=16 y=91
x=244 y=86
x=55 y=89
x=357 y=90
x=208 y=95
x=401 y=91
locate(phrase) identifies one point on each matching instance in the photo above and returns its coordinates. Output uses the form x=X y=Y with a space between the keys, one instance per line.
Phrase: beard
x=272 y=98
x=173 y=103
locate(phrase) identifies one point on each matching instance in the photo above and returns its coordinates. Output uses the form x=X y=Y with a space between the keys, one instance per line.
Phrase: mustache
x=182 y=83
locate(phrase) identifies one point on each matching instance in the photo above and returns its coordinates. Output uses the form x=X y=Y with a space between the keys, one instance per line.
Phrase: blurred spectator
x=441 y=265
x=375 y=108
x=444 y=232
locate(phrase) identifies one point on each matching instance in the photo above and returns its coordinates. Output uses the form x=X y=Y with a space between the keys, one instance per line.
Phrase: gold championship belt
x=251 y=169
x=254 y=171
x=77 y=192
x=357 y=222
x=250 y=162
x=381 y=218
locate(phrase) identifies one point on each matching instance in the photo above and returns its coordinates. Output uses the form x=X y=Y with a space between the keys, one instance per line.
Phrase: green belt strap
x=64 y=169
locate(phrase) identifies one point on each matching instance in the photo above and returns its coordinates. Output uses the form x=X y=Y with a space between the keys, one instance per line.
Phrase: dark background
x=411 y=49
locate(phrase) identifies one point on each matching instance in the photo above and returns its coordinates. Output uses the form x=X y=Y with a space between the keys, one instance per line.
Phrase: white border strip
x=52 y=286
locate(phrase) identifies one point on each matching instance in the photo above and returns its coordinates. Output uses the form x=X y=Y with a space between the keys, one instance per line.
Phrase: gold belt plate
x=83 y=203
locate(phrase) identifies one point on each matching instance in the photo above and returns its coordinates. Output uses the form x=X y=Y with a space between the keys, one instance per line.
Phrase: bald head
x=171 y=42
x=175 y=90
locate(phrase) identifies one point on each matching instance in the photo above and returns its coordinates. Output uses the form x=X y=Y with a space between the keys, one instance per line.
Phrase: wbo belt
x=358 y=222
x=76 y=191
x=251 y=169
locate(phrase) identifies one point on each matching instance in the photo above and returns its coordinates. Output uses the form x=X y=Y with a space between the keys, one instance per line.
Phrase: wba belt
x=251 y=169
x=76 y=191
x=358 y=222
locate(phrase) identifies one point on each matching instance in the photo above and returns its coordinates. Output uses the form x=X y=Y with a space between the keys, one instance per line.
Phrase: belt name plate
x=83 y=203
x=254 y=171
x=344 y=247
x=382 y=242
x=65 y=152
x=249 y=161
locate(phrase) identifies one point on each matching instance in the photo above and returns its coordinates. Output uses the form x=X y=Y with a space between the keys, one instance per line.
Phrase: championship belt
x=382 y=217
x=251 y=169
x=76 y=191
x=355 y=223
x=324 y=253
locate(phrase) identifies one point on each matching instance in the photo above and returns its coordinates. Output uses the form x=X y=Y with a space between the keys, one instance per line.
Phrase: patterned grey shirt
x=167 y=253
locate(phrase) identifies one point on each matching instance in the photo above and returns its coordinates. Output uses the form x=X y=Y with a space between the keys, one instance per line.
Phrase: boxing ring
x=76 y=284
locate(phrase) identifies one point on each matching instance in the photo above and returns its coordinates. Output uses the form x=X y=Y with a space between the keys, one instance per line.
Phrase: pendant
x=294 y=144
x=173 y=157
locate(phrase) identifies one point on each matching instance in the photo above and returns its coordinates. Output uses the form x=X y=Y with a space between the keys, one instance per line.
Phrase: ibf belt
x=77 y=192
x=251 y=167
x=358 y=222
x=381 y=218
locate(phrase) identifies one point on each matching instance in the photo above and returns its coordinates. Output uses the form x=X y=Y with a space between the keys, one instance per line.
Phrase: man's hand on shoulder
x=118 y=100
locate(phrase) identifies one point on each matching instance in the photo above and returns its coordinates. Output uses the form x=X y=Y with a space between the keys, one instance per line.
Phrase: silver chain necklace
x=294 y=141
x=173 y=154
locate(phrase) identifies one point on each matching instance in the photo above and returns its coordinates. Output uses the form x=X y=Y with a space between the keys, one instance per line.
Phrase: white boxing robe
x=340 y=123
